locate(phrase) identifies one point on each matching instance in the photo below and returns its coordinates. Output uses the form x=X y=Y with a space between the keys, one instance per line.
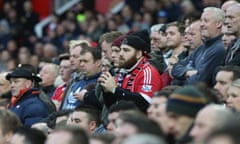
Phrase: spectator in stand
x=37 y=81
x=174 y=34
x=68 y=135
x=87 y=118
x=75 y=50
x=194 y=37
x=157 y=110
x=115 y=48
x=9 y=123
x=207 y=57
x=76 y=47
x=4 y=33
x=4 y=86
x=177 y=51
x=130 y=123
x=11 y=64
x=106 y=41
x=227 y=38
x=25 y=100
x=135 y=82
x=182 y=108
x=54 y=22
x=186 y=42
x=208 y=119
x=60 y=36
x=29 y=18
x=4 y=103
x=233 y=99
x=94 y=30
x=6 y=8
x=224 y=77
x=38 y=49
x=127 y=15
x=35 y=62
x=228 y=134
x=14 y=24
x=49 y=53
x=212 y=3
x=28 y=136
x=90 y=63
x=158 y=47
x=105 y=138
x=191 y=17
x=143 y=139
x=188 y=9
x=232 y=23
x=24 y=55
x=113 y=69
x=114 y=111
x=65 y=73
x=228 y=4
x=5 y=93
x=48 y=74
x=12 y=48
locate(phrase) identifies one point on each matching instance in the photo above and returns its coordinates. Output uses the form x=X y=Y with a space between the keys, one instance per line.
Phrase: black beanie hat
x=144 y=35
x=135 y=42
x=187 y=100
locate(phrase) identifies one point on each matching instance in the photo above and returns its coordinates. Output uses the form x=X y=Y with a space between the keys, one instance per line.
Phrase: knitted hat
x=135 y=42
x=144 y=35
x=187 y=100
x=118 y=41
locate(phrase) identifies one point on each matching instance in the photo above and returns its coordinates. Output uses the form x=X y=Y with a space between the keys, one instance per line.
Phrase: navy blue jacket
x=30 y=108
x=204 y=59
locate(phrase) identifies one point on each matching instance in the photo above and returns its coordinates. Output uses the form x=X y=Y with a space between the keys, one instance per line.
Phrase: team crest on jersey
x=147 y=88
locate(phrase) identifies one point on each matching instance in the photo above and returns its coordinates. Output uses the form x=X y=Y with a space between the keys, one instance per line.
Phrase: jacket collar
x=93 y=77
x=209 y=42
x=24 y=93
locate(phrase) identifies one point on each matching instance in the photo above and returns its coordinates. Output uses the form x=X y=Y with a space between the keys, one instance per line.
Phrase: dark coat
x=30 y=108
x=233 y=53
x=204 y=59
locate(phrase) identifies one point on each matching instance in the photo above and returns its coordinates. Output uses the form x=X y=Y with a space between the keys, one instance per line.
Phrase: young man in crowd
x=138 y=80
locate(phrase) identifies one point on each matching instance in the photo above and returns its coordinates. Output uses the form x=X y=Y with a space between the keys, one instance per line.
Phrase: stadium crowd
x=154 y=72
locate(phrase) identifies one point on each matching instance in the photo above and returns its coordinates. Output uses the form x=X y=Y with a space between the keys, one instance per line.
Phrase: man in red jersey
x=138 y=79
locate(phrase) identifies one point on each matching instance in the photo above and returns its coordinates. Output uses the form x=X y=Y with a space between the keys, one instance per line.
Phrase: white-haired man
x=201 y=64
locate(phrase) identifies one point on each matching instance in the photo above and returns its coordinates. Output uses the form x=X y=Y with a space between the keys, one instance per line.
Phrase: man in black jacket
x=232 y=22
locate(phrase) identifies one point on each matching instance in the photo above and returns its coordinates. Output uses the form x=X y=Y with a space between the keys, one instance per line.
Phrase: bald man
x=228 y=4
x=208 y=119
x=232 y=22
x=48 y=74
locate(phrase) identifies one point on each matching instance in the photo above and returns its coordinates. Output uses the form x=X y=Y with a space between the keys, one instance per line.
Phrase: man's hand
x=80 y=95
x=107 y=81
x=190 y=73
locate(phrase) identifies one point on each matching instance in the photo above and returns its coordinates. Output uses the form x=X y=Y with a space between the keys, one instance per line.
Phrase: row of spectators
x=171 y=82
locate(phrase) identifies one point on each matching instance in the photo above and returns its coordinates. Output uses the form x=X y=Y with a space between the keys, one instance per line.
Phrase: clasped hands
x=107 y=81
